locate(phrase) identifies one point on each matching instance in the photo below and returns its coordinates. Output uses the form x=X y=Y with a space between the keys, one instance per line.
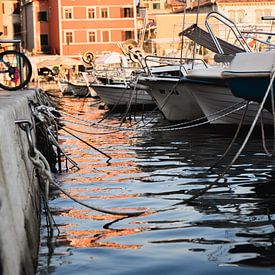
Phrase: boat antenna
x=182 y=37
x=195 y=44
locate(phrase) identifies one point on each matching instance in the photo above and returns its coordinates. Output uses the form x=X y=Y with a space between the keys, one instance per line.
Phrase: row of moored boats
x=186 y=89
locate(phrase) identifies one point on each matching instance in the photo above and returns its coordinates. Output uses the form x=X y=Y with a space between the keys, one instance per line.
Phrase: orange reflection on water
x=94 y=238
x=80 y=214
x=93 y=169
x=89 y=159
x=75 y=193
x=93 y=242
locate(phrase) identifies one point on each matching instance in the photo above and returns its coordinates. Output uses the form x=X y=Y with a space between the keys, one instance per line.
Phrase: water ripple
x=229 y=228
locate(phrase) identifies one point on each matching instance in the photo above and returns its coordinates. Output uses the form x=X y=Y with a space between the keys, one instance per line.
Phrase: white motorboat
x=215 y=97
x=121 y=94
x=174 y=101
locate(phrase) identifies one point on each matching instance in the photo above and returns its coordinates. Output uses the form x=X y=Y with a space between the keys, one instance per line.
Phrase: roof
x=212 y=2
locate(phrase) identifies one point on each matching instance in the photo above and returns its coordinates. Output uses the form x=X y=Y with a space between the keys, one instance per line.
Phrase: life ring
x=88 y=58
x=136 y=55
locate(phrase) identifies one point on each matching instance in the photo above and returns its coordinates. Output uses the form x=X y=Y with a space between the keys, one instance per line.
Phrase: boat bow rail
x=209 y=40
x=204 y=38
x=173 y=66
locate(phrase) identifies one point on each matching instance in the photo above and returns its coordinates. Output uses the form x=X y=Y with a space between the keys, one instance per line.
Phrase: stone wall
x=19 y=190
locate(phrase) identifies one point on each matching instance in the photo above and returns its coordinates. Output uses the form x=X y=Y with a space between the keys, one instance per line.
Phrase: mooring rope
x=232 y=141
x=255 y=119
x=263 y=137
x=42 y=164
x=221 y=175
x=87 y=143
x=273 y=114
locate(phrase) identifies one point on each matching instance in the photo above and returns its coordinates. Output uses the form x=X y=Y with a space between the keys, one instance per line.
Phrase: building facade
x=245 y=13
x=1 y=18
x=11 y=25
x=70 y=27
x=148 y=12
x=148 y=9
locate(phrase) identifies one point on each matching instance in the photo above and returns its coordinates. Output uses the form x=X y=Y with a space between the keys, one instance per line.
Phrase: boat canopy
x=203 y=38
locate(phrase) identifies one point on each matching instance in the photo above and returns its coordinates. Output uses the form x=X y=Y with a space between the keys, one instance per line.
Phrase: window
x=68 y=14
x=127 y=12
x=91 y=13
x=17 y=28
x=69 y=38
x=16 y=8
x=42 y=16
x=3 y=8
x=128 y=35
x=156 y=6
x=105 y=36
x=44 y=40
x=91 y=36
x=5 y=30
x=104 y=13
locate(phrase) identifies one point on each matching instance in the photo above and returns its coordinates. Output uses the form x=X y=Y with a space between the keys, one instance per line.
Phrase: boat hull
x=120 y=95
x=249 y=75
x=213 y=98
x=174 y=101
x=252 y=89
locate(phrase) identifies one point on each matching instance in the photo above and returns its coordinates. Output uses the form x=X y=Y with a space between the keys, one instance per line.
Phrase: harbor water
x=229 y=229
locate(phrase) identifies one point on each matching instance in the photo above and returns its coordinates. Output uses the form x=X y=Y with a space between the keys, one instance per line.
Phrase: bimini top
x=204 y=39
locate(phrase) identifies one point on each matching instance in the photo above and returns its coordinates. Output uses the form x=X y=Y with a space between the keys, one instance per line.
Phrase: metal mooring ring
x=26 y=125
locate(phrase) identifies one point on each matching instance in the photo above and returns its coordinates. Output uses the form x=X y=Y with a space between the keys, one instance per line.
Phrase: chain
x=159 y=129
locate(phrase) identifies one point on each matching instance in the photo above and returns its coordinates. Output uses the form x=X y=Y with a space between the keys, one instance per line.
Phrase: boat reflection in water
x=256 y=246
x=231 y=224
x=243 y=207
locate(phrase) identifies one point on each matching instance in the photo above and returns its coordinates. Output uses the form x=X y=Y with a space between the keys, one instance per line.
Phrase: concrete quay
x=19 y=189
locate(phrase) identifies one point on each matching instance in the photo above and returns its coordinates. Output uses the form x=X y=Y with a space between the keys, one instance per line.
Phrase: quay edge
x=19 y=189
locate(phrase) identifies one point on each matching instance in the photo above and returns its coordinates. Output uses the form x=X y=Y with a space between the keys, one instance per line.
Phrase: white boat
x=207 y=85
x=199 y=92
x=122 y=94
x=174 y=101
x=214 y=95
x=249 y=75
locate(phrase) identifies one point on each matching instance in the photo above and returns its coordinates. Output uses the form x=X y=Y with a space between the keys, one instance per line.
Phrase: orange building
x=1 y=17
x=10 y=19
x=70 y=27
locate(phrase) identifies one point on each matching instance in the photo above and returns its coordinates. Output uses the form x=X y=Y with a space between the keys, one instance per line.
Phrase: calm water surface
x=228 y=230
